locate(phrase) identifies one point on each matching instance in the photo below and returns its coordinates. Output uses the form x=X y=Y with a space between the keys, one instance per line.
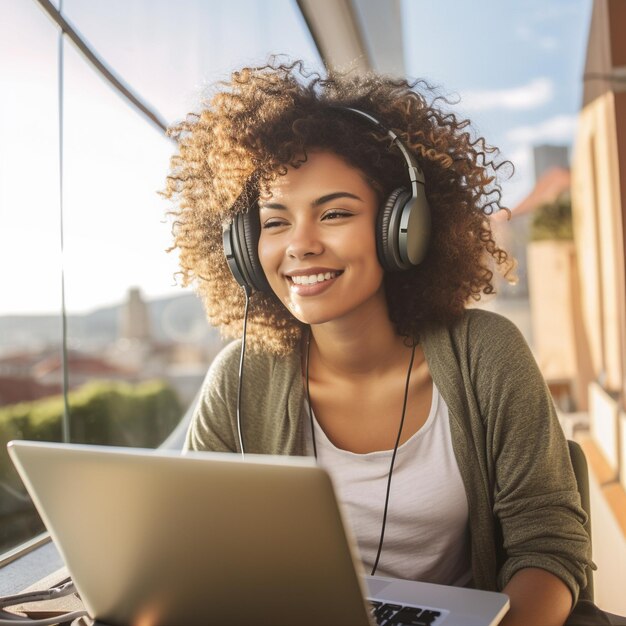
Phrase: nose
x=304 y=241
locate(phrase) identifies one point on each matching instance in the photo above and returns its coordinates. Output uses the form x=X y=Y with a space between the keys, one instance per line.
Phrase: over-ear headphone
x=402 y=230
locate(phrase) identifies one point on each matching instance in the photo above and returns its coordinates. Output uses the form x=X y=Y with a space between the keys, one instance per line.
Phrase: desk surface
x=29 y=569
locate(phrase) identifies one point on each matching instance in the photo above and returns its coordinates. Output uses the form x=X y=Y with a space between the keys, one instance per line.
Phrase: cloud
x=530 y=36
x=560 y=128
x=548 y=43
x=552 y=12
x=530 y=96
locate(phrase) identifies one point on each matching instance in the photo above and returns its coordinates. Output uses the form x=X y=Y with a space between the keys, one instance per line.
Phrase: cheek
x=373 y=272
x=269 y=256
x=263 y=251
x=365 y=240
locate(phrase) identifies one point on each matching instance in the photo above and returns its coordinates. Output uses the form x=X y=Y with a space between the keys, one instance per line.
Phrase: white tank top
x=426 y=534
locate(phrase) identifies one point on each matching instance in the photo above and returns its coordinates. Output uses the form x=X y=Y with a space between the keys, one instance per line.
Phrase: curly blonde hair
x=266 y=119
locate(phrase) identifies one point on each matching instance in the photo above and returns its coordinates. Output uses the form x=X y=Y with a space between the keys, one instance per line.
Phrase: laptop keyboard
x=386 y=614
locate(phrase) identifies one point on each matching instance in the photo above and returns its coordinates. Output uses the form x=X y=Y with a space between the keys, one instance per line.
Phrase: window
x=135 y=346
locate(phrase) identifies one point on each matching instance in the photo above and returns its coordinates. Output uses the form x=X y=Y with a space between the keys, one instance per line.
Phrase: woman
x=429 y=416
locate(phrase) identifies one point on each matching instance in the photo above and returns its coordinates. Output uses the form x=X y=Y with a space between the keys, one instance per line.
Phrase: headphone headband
x=416 y=175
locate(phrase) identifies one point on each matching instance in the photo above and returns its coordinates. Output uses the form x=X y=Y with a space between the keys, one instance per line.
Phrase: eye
x=335 y=214
x=273 y=222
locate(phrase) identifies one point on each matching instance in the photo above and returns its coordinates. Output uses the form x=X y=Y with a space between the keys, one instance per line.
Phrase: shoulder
x=258 y=365
x=265 y=375
x=224 y=368
x=483 y=351
x=490 y=333
x=479 y=325
x=266 y=383
x=476 y=333
x=227 y=359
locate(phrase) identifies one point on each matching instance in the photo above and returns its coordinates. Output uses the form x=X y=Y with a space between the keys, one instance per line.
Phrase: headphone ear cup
x=249 y=229
x=387 y=239
x=414 y=231
x=241 y=240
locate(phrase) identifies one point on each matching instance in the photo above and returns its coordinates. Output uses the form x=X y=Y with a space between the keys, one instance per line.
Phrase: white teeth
x=311 y=279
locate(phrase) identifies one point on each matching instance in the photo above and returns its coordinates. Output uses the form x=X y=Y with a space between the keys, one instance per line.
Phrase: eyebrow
x=319 y=201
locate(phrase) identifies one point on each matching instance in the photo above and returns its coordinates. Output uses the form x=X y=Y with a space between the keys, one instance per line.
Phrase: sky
x=514 y=67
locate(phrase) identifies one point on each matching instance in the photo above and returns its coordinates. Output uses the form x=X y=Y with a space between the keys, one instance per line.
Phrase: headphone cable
x=395 y=448
x=308 y=394
x=393 y=459
x=246 y=291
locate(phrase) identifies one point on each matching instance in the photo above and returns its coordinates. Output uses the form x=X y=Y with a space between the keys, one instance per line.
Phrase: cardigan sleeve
x=535 y=495
x=271 y=404
x=213 y=425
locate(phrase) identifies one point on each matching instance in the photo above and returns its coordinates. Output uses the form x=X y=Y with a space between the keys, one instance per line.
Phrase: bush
x=102 y=412
x=553 y=220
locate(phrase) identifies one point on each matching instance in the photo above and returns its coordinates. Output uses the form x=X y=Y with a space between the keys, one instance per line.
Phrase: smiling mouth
x=313 y=279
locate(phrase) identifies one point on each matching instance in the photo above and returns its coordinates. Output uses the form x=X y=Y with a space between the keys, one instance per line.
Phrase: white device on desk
x=152 y=537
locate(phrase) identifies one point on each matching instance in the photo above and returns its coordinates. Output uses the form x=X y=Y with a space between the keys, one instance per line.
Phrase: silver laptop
x=152 y=537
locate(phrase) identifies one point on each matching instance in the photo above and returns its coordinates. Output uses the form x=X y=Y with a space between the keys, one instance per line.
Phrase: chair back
x=579 y=463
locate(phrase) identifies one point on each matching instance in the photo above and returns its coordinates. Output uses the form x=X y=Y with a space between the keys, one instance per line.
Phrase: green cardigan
x=524 y=507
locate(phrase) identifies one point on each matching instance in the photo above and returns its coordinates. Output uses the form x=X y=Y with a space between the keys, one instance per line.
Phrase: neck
x=355 y=347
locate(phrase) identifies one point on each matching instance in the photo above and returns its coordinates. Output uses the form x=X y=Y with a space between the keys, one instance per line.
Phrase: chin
x=315 y=318
x=304 y=315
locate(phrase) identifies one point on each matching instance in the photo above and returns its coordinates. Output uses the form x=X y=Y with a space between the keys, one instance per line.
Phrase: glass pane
x=167 y=50
x=138 y=347
x=30 y=267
